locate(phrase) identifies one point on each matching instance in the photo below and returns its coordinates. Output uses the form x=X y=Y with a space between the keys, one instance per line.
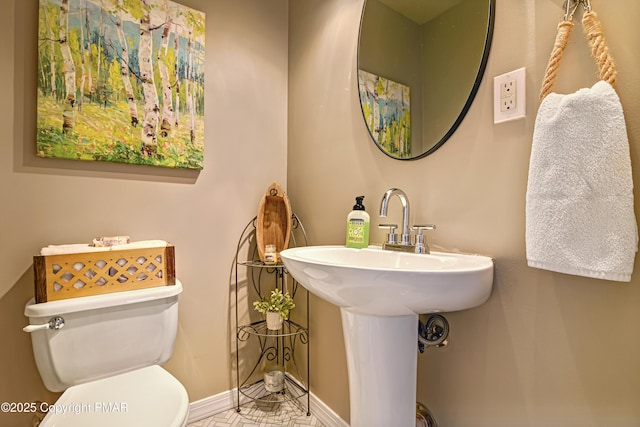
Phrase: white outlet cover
x=520 y=111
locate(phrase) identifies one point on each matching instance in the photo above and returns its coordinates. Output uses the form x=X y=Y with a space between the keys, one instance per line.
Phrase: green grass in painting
x=105 y=134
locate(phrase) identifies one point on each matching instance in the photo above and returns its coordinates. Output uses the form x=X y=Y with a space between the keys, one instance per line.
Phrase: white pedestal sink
x=380 y=294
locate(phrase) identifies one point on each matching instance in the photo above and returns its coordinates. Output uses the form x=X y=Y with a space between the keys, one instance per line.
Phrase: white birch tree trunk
x=189 y=91
x=89 y=56
x=176 y=46
x=151 y=109
x=192 y=115
x=83 y=65
x=124 y=70
x=99 y=51
x=52 y=61
x=167 y=99
x=69 y=69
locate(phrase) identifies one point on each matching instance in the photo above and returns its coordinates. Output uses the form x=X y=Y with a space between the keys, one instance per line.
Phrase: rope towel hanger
x=599 y=50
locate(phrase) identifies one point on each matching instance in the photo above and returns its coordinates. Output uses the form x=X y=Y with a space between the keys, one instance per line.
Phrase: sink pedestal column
x=382 y=358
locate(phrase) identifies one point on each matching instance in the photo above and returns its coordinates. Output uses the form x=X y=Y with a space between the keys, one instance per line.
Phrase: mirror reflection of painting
x=121 y=81
x=386 y=109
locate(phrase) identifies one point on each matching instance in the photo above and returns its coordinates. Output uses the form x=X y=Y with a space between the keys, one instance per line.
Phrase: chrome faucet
x=406 y=244
x=406 y=237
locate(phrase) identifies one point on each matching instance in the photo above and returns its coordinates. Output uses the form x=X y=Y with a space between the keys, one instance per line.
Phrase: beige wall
x=453 y=44
x=47 y=201
x=547 y=349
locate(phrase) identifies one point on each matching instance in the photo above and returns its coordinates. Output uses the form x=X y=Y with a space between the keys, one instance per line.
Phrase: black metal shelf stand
x=278 y=346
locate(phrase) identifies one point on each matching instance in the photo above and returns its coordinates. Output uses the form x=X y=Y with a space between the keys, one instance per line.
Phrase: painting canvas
x=386 y=108
x=121 y=81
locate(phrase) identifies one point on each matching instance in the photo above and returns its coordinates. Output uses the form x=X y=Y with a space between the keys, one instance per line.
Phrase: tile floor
x=287 y=414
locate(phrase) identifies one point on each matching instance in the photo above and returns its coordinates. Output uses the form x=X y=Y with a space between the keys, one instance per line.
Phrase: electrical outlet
x=507 y=104
x=509 y=93
x=508 y=88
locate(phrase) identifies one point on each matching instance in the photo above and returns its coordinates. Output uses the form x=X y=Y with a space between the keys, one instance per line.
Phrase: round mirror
x=420 y=63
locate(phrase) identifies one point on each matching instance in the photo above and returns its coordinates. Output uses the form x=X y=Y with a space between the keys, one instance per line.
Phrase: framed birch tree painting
x=121 y=81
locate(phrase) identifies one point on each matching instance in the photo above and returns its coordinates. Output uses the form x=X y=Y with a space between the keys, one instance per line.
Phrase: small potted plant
x=276 y=307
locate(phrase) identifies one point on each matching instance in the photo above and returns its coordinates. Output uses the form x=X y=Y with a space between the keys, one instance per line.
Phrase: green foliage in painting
x=121 y=144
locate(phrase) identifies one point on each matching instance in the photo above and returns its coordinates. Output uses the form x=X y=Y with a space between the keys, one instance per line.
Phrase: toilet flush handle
x=55 y=323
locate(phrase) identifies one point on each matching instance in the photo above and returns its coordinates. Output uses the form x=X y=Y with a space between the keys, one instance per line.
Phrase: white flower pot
x=274 y=321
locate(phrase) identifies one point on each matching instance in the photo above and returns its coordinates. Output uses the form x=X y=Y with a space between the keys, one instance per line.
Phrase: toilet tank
x=104 y=335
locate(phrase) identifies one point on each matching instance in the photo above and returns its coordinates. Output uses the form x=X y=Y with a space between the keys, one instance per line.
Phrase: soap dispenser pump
x=358 y=222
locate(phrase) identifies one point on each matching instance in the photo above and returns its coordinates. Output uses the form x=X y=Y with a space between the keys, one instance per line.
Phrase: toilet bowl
x=106 y=358
x=145 y=397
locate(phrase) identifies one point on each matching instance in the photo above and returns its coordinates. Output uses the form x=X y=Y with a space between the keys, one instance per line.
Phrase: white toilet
x=105 y=358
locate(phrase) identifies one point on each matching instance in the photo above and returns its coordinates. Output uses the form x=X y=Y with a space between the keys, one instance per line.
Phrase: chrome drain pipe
x=434 y=332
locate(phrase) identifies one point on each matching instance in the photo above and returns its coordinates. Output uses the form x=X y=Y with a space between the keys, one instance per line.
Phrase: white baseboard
x=209 y=406
x=324 y=414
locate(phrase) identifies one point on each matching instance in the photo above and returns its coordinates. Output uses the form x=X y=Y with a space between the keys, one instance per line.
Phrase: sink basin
x=387 y=283
x=380 y=294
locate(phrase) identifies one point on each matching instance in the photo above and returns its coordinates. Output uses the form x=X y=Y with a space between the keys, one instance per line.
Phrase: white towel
x=81 y=248
x=580 y=217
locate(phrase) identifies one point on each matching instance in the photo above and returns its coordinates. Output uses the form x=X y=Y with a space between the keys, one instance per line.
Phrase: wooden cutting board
x=273 y=224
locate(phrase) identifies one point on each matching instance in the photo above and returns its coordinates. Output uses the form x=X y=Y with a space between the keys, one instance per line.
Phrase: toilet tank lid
x=93 y=302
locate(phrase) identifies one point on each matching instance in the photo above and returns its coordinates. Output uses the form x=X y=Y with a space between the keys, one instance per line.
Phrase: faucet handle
x=391 y=237
x=421 y=227
x=421 y=246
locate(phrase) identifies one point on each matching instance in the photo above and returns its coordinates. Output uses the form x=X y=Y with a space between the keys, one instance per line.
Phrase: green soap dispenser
x=358 y=226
